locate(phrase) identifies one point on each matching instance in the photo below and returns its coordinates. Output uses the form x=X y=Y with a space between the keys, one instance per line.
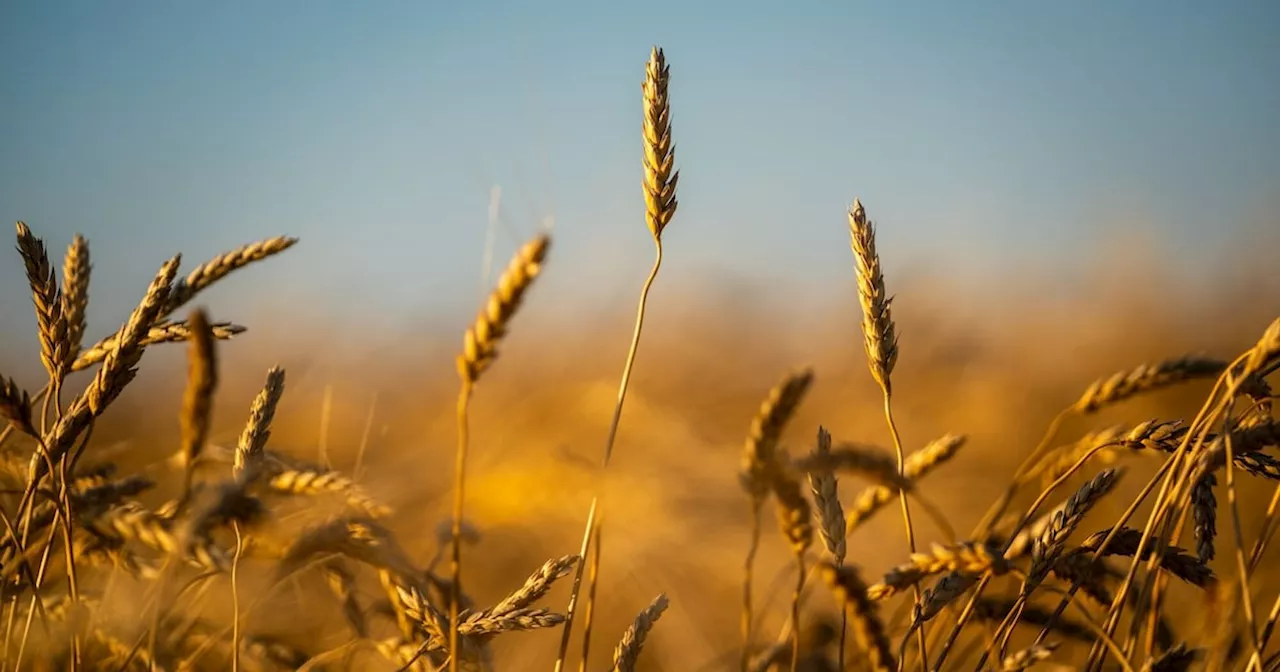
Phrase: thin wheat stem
x=589 y=610
x=235 y=599
x=906 y=516
x=455 y=557
x=795 y=612
x=748 y=579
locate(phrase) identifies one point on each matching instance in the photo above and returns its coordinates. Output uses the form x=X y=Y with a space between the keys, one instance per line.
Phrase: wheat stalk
x=659 y=186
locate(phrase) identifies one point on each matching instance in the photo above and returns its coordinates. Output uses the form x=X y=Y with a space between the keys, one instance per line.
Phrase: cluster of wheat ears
x=74 y=530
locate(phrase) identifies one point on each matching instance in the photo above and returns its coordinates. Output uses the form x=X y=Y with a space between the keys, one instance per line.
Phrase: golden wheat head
x=878 y=331
x=659 y=154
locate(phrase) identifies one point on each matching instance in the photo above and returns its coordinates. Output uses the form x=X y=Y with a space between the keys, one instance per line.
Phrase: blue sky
x=977 y=134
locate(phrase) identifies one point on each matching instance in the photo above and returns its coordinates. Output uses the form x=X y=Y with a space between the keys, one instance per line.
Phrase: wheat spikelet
x=1146 y=378
x=480 y=345
x=76 y=269
x=628 y=650
x=15 y=407
x=204 y=275
x=916 y=466
x=52 y=323
x=967 y=557
x=165 y=332
x=536 y=586
x=257 y=431
x=825 y=490
x=659 y=155
x=118 y=365
x=869 y=631
x=878 y=330
x=759 y=455
x=299 y=482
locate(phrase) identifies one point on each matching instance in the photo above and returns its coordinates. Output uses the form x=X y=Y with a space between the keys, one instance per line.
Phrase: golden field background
x=993 y=360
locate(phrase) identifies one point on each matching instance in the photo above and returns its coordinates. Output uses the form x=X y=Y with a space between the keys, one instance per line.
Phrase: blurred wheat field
x=224 y=517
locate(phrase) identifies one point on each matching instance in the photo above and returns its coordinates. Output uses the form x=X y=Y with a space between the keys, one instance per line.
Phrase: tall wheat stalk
x=479 y=349
x=659 y=184
x=879 y=336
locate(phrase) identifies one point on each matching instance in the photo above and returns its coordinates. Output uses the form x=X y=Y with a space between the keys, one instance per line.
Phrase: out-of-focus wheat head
x=480 y=345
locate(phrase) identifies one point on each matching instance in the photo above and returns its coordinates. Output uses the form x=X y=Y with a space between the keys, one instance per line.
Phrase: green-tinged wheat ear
x=480 y=345
x=76 y=269
x=878 y=330
x=257 y=431
x=660 y=178
x=55 y=349
x=628 y=650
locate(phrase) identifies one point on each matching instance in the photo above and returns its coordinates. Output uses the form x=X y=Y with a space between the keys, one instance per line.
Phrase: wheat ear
x=628 y=650
x=659 y=186
x=257 y=431
x=76 y=269
x=479 y=349
x=197 y=404
x=824 y=486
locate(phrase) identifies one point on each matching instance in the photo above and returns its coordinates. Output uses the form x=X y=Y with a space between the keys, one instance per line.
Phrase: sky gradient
x=976 y=134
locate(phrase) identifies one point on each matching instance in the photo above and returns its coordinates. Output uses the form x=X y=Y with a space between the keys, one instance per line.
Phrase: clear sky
x=975 y=132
